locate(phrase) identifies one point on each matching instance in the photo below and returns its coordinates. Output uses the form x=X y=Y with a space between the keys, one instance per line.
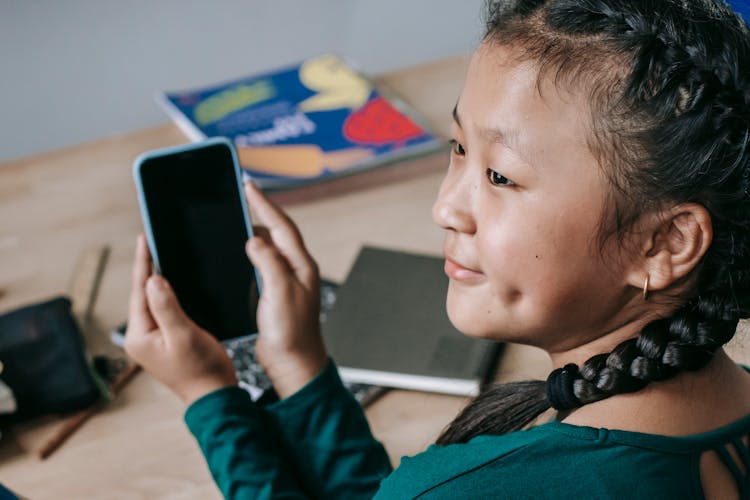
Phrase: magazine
x=313 y=121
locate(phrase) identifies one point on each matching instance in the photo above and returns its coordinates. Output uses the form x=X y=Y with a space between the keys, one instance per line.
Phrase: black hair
x=669 y=84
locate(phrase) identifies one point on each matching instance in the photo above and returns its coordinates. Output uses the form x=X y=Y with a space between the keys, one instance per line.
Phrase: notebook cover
x=389 y=327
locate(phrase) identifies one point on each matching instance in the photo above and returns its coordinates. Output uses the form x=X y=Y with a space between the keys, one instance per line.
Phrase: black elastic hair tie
x=560 y=388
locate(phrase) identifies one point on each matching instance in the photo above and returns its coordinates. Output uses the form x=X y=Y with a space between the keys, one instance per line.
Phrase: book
x=312 y=121
x=250 y=373
x=389 y=327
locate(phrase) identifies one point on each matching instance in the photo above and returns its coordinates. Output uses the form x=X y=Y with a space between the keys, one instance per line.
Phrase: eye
x=457 y=148
x=497 y=179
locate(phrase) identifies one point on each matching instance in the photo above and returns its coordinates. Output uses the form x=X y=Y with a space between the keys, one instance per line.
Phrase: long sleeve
x=314 y=444
x=325 y=429
x=245 y=459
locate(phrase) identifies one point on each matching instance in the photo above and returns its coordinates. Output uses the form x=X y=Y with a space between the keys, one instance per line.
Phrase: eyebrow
x=508 y=137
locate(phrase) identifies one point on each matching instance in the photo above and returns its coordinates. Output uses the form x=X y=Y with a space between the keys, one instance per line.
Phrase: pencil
x=76 y=420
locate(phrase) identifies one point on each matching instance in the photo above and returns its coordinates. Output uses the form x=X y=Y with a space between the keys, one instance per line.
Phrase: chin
x=474 y=317
x=467 y=317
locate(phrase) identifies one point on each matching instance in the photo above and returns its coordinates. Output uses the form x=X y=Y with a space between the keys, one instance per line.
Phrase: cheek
x=539 y=244
x=536 y=271
x=479 y=312
x=518 y=253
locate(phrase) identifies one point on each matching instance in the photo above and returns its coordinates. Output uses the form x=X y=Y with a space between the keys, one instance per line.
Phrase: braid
x=675 y=129
x=686 y=341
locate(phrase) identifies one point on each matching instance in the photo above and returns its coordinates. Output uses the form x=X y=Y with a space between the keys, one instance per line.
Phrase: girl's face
x=520 y=205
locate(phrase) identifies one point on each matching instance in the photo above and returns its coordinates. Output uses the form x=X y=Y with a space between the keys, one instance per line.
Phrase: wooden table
x=54 y=206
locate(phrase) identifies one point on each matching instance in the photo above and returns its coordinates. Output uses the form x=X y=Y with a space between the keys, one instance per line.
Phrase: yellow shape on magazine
x=336 y=84
x=298 y=160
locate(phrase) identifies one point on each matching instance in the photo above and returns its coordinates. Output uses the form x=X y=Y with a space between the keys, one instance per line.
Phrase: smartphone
x=197 y=223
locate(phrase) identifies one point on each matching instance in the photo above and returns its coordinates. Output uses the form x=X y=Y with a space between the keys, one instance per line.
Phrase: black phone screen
x=199 y=233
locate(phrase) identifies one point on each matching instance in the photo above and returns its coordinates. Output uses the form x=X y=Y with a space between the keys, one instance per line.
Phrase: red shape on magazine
x=378 y=123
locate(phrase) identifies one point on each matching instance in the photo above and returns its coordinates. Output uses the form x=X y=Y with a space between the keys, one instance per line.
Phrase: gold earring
x=645 y=288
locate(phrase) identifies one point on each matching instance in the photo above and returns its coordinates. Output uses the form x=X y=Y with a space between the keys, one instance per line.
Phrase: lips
x=456 y=271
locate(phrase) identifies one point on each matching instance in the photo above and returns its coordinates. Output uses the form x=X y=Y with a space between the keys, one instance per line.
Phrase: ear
x=673 y=244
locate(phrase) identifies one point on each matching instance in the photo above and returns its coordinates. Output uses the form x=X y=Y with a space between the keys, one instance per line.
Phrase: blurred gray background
x=77 y=70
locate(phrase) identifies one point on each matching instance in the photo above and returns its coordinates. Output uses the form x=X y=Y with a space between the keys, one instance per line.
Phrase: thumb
x=163 y=304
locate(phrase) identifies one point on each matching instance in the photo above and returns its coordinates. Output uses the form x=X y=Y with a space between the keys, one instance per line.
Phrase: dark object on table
x=43 y=360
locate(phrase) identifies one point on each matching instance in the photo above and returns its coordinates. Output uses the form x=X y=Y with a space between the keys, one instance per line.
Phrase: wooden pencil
x=76 y=420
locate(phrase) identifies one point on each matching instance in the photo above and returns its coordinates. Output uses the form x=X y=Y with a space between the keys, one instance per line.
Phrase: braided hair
x=669 y=82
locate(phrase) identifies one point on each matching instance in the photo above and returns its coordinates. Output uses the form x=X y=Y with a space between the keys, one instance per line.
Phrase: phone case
x=138 y=163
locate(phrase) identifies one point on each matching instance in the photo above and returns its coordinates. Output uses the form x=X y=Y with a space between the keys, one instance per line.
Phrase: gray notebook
x=389 y=327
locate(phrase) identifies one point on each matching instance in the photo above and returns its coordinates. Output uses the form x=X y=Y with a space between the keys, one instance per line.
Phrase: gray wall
x=77 y=70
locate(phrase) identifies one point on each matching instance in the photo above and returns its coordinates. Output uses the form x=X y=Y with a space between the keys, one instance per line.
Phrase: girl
x=596 y=205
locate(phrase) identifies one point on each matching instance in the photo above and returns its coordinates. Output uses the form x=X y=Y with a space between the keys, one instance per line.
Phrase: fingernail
x=157 y=283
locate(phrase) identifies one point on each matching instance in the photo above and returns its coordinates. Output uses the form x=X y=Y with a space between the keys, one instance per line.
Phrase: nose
x=452 y=209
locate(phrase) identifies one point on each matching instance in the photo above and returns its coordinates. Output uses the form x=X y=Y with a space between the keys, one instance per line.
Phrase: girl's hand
x=290 y=347
x=166 y=343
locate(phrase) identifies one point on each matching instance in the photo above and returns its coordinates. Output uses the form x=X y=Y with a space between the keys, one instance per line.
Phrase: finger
x=281 y=270
x=266 y=210
x=139 y=344
x=139 y=316
x=165 y=308
x=274 y=270
x=284 y=233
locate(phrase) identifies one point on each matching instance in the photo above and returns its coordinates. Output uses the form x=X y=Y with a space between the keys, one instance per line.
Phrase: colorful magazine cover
x=315 y=120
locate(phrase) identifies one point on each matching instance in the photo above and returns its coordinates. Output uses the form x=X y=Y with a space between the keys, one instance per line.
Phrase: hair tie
x=560 y=388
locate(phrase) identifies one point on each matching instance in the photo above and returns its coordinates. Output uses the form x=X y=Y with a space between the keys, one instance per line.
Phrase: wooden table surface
x=56 y=205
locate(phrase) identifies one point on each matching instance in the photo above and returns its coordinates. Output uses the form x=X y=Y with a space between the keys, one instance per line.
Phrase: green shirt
x=317 y=444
